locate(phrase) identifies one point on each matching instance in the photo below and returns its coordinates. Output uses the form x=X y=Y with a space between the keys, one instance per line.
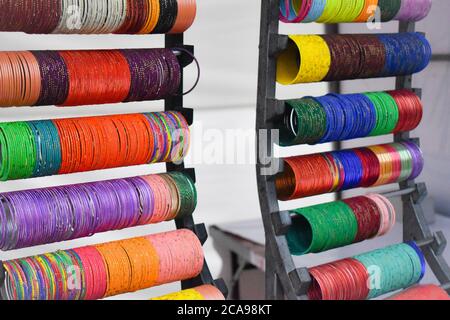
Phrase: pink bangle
x=387 y=213
x=300 y=15
x=210 y=292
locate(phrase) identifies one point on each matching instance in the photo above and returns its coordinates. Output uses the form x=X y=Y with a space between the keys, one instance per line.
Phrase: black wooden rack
x=283 y=279
x=185 y=55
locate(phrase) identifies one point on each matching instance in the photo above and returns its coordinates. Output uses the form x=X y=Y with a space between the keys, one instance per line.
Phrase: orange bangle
x=86 y=150
x=99 y=145
x=67 y=146
x=385 y=164
x=21 y=79
x=152 y=18
x=365 y=13
x=112 y=141
x=144 y=263
x=149 y=137
x=96 y=77
x=34 y=79
x=118 y=266
x=187 y=11
x=137 y=139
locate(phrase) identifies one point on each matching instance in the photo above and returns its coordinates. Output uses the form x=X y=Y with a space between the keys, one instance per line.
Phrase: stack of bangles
x=87 y=77
x=368 y=275
x=337 y=224
x=329 y=172
x=100 y=271
x=205 y=292
x=338 y=117
x=340 y=11
x=49 y=147
x=97 y=16
x=35 y=217
x=315 y=58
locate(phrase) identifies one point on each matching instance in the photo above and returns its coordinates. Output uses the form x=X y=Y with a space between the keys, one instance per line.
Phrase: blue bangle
x=421 y=257
x=317 y=8
x=292 y=14
x=352 y=167
x=48 y=148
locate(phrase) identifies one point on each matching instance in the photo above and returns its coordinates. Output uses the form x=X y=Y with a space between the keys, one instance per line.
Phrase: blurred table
x=244 y=242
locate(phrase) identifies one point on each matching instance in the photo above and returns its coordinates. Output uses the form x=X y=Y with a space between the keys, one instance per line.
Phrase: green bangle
x=187 y=193
x=321 y=228
x=18 y=151
x=5 y=163
x=346 y=12
x=332 y=9
x=307 y=119
x=389 y=9
x=387 y=113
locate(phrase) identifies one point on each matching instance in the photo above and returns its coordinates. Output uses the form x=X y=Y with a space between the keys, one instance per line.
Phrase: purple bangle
x=174 y=71
x=77 y=211
x=28 y=202
x=417 y=159
x=18 y=214
x=40 y=216
x=155 y=73
x=51 y=216
x=121 y=191
x=135 y=203
x=67 y=220
x=99 y=202
x=94 y=205
x=59 y=205
x=147 y=200
x=85 y=223
x=143 y=74
x=3 y=223
x=11 y=229
x=110 y=207
x=54 y=78
x=115 y=221
x=413 y=10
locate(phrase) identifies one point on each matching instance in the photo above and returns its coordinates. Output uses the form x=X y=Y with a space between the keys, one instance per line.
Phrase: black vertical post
x=175 y=103
x=282 y=278
x=415 y=226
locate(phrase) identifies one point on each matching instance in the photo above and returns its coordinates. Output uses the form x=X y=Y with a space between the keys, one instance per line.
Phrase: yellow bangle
x=385 y=164
x=307 y=59
x=186 y=295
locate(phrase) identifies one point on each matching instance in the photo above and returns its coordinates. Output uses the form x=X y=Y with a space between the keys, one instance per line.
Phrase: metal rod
x=440 y=57
x=399 y=193
x=425 y=242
